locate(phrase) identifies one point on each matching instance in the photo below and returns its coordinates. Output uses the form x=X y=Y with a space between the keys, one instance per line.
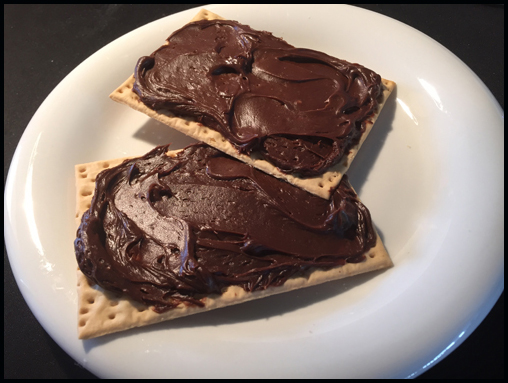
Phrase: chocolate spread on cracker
x=166 y=230
x=299 y=109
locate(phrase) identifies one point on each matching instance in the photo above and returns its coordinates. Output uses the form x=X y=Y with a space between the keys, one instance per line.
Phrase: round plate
x=431 y=173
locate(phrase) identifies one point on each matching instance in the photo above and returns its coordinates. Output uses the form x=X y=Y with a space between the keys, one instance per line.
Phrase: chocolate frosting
x=169 y=230
x=300 y=109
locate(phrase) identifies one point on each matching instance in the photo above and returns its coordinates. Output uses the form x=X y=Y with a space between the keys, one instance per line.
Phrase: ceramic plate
x=431 y=173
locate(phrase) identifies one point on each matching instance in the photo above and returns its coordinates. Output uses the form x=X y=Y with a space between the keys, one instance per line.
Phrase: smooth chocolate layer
x=168 y=230
x=300 y=109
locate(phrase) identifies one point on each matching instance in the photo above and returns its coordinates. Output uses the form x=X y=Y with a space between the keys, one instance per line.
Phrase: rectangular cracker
x=321 y=185
x=102 y=312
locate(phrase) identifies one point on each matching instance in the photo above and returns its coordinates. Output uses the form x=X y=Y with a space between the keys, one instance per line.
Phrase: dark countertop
x=39 y=53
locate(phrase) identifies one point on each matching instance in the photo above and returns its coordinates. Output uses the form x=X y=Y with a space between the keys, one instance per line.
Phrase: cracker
x=321 y=185
x=102 y=312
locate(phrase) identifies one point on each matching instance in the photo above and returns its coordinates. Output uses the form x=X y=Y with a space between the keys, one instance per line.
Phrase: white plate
x=431 y=173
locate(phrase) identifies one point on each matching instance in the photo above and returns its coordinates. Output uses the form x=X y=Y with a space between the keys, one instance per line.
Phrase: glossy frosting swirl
x=300 y=109
x=168 y=230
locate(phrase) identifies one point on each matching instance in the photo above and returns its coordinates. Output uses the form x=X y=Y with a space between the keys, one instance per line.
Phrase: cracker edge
x=101 y=312
x=322 y=185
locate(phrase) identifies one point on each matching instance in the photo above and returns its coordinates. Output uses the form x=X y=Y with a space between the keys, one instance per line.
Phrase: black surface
x=44 y=43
